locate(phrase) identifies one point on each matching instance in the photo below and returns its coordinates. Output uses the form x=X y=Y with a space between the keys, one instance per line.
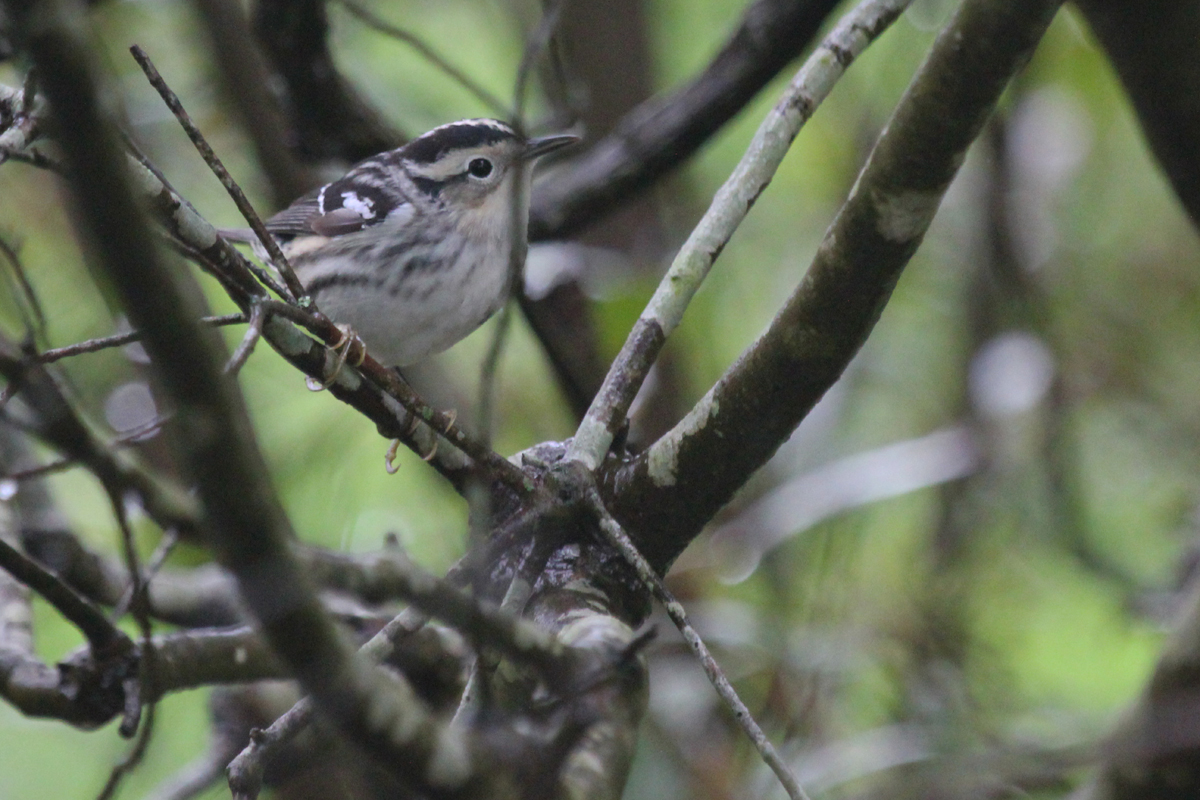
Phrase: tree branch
x=620 y=540
x=667 y=493
x=663 y=132
x=729 y=207
x=330 y=119
x=1155 y=47
x=247 y=81
x=50 y=416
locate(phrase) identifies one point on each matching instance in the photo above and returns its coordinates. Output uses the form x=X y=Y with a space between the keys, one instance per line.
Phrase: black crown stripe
x=429 y=148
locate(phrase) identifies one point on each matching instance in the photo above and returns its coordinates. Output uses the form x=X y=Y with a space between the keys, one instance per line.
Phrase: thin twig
x=131 y=435
x=729 y=207
x=534 y=48
x=442 y=422
x=295 y=287
x=429 y=54
x=120 y=339
x=249 y=340
x=34 y=158
x=516 y=596
x=619 y=539
x=41 y=470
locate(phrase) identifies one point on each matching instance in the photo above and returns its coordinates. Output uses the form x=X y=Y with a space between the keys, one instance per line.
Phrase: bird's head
x=471 y=164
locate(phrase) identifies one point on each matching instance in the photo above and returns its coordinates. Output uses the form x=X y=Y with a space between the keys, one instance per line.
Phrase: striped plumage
x=411 y=247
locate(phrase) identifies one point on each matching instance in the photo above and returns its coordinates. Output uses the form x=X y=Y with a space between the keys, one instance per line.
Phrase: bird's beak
x=536 y=148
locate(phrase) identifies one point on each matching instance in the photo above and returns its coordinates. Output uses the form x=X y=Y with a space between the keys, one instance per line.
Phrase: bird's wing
x=364 y=196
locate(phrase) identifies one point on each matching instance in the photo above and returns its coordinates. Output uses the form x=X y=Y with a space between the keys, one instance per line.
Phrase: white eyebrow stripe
x=484 y=122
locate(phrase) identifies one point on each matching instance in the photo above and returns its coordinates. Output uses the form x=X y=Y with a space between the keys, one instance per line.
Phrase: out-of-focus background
x=973 y=544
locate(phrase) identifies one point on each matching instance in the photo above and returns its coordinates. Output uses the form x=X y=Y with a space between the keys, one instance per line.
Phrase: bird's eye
x=479 y=167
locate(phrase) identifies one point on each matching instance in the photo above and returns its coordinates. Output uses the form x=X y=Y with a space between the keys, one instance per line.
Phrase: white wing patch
x=363 y=206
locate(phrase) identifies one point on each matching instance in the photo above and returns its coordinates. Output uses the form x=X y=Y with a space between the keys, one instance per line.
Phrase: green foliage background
x=1051 y=634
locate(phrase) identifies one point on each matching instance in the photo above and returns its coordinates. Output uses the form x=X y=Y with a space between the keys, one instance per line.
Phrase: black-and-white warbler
x=411 y=248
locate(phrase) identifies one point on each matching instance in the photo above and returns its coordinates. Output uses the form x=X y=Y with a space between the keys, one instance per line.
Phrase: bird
x=411 y=248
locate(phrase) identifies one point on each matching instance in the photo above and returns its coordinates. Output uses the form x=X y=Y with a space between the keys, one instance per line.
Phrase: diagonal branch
x=729 y=207
x=663 y=132
x=1155 y=47
x=620 y=540
x=100 y=633
x=246 y=81
x=667 y=493
x=297 y=290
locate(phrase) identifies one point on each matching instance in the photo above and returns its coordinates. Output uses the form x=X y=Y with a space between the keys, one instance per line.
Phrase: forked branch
x=729 y=207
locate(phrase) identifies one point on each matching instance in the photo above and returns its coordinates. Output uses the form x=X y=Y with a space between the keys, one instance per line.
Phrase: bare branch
x=56 y=423
x=248 y=82
x=729 y=207
x=654 y=584
x=296 y=289
x=249 y=340
x=101 y=633
x=1155 y=46
x=28 y=304
x=664 y=132
x=122 y=339
x=757 y=404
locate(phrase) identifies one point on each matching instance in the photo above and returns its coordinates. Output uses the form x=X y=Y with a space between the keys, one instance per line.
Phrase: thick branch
x=1155 y=46
x=670 y=491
